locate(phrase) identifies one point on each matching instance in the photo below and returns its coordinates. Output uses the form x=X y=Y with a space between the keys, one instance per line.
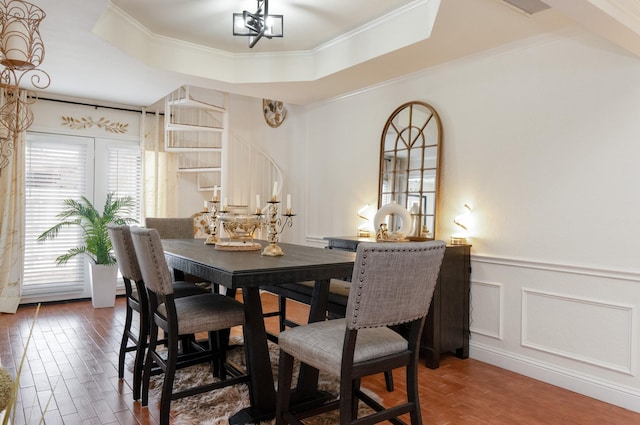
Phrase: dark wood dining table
x=250 y=271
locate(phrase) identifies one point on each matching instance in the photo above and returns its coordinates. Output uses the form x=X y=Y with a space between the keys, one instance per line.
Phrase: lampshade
x=460 y=237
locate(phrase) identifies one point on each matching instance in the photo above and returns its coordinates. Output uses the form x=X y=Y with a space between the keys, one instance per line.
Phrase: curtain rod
x=96 y=106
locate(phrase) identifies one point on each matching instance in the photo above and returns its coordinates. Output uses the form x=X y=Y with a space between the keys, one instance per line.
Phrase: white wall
x=284 y=144
x=542 y=139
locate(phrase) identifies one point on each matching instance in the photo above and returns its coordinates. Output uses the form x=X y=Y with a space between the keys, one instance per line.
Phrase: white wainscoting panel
x=487 y=311
x=590 y=331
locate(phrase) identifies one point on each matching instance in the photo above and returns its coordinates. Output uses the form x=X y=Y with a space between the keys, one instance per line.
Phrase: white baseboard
x=609 y=392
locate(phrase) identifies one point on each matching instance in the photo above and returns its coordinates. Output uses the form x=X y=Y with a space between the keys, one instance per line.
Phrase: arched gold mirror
x=409 y=167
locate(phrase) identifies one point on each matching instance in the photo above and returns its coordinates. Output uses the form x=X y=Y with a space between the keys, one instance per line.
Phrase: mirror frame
x=404 y=139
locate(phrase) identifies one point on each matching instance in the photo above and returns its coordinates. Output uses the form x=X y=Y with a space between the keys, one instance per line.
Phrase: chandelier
x=257 y=25
x=21 y=53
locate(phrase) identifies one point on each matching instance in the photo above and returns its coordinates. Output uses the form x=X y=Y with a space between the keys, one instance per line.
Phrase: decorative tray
x=237 y=246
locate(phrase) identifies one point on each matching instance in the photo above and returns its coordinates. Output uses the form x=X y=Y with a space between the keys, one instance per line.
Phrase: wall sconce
x=259 y=24
x=21 y=52
x=462 y=221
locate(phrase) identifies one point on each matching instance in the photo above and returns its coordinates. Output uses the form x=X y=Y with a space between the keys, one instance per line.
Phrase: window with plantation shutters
x=57 y=168
x=60 y=167
x=125 y=172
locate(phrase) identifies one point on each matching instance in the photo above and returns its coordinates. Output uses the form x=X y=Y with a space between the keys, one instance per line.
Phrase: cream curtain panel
x=12 y=199
x=160 y=175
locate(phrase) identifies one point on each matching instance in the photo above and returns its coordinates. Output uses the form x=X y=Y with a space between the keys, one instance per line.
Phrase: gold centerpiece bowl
x=240 y=226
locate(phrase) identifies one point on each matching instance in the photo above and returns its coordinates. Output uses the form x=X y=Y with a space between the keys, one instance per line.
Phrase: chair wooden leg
x=186 y=342
x=219 y=342
x=347 y=386
x=138 y=365
x=388 y=380
x=285 y=373
x=282 y=312
x=169 y=375
x=412 y=392
x=354 y=400
x=148 y=363
x=125 y=340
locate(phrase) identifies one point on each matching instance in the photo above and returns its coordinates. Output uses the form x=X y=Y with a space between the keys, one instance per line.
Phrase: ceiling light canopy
x=257 y=25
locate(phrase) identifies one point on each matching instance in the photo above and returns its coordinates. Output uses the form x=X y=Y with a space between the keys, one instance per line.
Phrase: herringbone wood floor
x=74 y=351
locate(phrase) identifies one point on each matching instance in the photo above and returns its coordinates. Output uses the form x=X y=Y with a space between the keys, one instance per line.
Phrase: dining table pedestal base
x=252 y=415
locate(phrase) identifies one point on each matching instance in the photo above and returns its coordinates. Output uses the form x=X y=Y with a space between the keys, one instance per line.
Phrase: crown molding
x=348 y=50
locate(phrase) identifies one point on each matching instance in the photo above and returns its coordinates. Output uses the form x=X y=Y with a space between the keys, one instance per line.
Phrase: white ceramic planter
x=103 y=285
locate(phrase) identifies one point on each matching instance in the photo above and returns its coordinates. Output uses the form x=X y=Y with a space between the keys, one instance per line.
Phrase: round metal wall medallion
x=274 y=112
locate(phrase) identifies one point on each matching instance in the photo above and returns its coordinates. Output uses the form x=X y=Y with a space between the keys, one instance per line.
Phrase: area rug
x=215 y=407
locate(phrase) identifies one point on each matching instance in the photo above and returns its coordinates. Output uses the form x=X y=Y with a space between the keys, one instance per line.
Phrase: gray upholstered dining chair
x=137 y=302
x=178 y=228
x=171 y=228
x=392 y=284
x=210 y=313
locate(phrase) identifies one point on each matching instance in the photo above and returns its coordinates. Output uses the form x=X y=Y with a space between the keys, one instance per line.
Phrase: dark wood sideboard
x=447 y=326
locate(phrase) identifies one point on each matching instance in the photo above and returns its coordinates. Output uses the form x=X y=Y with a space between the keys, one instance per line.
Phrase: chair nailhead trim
x=363 y=270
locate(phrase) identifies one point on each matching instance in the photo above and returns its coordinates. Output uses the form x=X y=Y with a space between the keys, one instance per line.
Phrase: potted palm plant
x=97 y=244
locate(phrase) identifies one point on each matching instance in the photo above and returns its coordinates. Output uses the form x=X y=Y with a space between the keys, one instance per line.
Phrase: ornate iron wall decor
x=21 y=53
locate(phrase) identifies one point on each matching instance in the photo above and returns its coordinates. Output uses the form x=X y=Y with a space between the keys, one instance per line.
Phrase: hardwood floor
x=74 y=350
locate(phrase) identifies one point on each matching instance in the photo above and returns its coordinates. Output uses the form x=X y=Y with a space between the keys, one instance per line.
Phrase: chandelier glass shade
x=259 y=24
x=21 y=53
